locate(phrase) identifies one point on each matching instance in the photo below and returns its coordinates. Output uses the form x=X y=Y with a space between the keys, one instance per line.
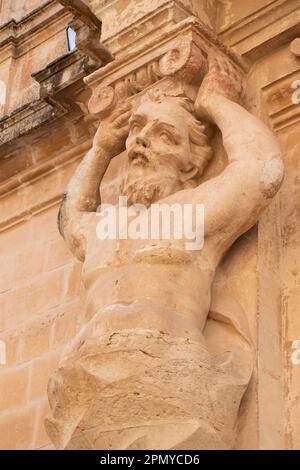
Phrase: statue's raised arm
x=82 y=196
x=163 y=358
x=234 y=200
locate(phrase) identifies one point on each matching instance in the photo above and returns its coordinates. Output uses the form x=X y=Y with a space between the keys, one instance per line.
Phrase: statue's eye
x=165 y=136
x=135 y=127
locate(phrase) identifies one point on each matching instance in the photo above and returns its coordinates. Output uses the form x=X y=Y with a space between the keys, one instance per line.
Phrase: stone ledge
x=59 y=80
x=262 y=31
x=15 y=32
x=24 y=119
x=139 y=32
x=278 y=97
x=61 y=74
x=19 y=213
x=179 y=52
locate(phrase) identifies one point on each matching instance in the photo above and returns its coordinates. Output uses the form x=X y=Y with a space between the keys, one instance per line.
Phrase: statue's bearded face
x=158 y=150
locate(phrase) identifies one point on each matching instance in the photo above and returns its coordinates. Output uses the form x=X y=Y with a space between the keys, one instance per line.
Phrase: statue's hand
x=112 y=133
x=221 y=79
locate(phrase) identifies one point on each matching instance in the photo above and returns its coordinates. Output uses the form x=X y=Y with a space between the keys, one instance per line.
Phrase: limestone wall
x=42 y=141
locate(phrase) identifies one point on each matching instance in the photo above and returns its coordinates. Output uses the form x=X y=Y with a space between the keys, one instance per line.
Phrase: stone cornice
x=163 y=16
x=18 y=32
x=82 y=12
x=27 y=177
x=181 y=46
x=264 y=30
x=24 y=119
x=140 y=31
x=190 y=24
x=65 y=73
x=61 y=81
x=180 y=52
x=260 y=15
x=278 y=98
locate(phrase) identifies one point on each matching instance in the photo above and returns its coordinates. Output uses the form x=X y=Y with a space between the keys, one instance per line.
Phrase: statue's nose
x=142 y=140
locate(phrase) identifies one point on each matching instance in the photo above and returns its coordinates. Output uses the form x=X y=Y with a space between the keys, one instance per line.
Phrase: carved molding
x=82 y=11
x=18 y=33
x=173 y=60
x=64 y=74
x=184 y=61
x=166 y=15
x=270 y=27
x=19 y=214
x=278 y=98
x=179 y=53
x=24 y=119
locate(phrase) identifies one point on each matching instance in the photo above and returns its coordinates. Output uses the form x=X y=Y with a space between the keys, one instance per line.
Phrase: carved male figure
x=143 y=372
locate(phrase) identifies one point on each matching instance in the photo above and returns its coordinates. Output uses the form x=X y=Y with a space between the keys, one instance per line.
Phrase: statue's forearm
x=82 y=197
x=82 y=194
x=245 y=137
x=235 y=198
x=253 y=176
x=83 y=189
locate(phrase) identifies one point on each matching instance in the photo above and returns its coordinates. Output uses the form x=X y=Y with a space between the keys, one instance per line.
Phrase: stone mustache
x=159 y=364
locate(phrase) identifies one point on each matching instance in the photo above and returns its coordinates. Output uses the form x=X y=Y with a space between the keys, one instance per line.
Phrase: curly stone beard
x=146 y=191
x=146 y=183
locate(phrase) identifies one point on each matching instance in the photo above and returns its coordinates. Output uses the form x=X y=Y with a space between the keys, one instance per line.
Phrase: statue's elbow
x=272 y=176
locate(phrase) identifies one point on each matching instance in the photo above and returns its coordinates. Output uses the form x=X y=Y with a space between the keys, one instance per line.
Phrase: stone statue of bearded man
x=159 y=364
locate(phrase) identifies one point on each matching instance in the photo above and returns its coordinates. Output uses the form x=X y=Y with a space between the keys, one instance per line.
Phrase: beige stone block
x=33 y=298
x=44 y=223
x=45 y=147
x=17 y=429
x=57 y=254
x=121 y=14
x=233 y=12
x=36 y=338
x=11 y=205
x=13 y=386
x=13 y=164
x=19 y=8
x=42 y=368
x=74 y=281
x=12 y=347
x=66 y=323
x=21 y=266
x=15 y=239
x=35 y=59
x=41 y=439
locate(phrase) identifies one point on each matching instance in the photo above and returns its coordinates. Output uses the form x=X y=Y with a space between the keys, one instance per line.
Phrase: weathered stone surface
x=295 y=47
x=155 y=355
x=41 y=293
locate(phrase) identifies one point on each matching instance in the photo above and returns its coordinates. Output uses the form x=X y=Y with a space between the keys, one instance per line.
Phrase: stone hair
x=200 y=133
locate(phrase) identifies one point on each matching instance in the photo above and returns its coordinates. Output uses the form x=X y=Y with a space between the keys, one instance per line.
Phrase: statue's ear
x=201 y=133
x=188 y=174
